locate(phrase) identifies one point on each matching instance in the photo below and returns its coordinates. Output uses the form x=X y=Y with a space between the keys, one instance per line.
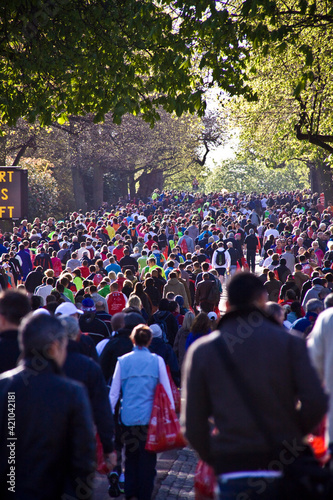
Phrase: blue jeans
x=250 y=488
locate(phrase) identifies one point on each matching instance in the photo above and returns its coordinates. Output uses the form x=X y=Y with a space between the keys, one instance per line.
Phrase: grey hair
x=71 y=326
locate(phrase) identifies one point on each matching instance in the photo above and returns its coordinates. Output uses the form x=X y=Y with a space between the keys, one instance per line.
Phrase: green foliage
x=59 y=58
x=237 y=175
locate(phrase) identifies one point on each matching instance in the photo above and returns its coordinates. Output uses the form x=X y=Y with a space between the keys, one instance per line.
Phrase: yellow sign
x=13 y=193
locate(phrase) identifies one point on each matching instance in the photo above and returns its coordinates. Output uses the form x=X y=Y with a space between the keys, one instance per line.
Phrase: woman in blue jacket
x=136 y=376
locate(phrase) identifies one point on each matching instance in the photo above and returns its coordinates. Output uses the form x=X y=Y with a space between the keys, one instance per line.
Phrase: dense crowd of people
x=119 y=294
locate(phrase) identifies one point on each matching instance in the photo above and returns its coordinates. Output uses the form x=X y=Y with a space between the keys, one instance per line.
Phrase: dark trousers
x=140 y=465
x=251 y=259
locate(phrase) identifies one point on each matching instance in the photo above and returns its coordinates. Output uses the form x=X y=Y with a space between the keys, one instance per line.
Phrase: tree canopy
x=63 y=57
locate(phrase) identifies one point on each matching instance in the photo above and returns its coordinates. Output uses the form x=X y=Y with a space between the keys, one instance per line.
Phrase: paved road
x=175 y=477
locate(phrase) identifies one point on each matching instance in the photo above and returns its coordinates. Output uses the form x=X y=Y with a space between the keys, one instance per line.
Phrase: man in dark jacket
x=207 y=294
x=163 y=349
x=282 y=270
x=118 y=345
x=53 y=438
x=83 y=369
x=264 y=370
x=34 y=279
x=13 y=307
x=166 y=320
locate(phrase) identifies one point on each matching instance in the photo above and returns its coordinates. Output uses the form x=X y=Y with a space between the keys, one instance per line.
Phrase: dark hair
x=173 y=305
x=296 y=308
x=38 y=332
x=149 y=282
x=141 y=335
x=14 y=306
x=244 y=289
x=201 y=324
x=36 y=302
x=164 y=305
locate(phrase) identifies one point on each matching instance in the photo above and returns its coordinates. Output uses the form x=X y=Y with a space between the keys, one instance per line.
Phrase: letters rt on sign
x=13 y=193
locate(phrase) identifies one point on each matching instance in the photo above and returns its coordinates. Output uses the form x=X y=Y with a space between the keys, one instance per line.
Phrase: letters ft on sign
x=13 y=193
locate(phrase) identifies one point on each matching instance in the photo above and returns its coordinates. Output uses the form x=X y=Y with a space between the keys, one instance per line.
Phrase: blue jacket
x=139 y=371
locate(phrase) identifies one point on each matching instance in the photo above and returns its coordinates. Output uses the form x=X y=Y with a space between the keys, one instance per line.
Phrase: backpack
x=220 y=258
x=213 y=296
x=159 y=320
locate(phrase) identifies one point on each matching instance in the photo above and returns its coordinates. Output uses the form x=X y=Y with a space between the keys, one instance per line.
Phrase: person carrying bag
x=137 y=375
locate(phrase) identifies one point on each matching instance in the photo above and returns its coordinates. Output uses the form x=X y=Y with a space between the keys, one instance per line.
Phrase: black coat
x=83 y=369
x=33 y=280
x=158 y=346
x=117 y=346
x=9 y=350
x=55 y=445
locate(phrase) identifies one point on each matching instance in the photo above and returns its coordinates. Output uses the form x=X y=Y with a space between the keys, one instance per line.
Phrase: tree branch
x=31 y=143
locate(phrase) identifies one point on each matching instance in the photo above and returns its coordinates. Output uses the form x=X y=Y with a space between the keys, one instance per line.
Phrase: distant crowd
x=162 y=262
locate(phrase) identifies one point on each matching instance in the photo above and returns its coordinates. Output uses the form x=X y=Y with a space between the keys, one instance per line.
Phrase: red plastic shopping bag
x=317 y=441
x=101 y=467
x=164 y=430
x=175 y=391
x=204 y=481
x=244 y=263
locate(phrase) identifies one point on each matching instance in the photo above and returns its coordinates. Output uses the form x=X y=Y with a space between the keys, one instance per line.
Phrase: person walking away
x=136 y=376
x=264 y=370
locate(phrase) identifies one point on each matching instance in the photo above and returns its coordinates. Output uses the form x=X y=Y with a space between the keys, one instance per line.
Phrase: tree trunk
x=132 y=187
x=98 y=186
x=123 y=186
x=321 y=179
x=148 y=181
x=326 y=181
x=314 y=178
x=78 y=189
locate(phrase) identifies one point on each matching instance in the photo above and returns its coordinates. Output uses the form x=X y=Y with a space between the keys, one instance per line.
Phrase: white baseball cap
x=67 y=309
x=211 y=315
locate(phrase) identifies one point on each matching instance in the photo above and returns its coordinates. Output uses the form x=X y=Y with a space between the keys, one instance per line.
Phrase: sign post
x=13 y=195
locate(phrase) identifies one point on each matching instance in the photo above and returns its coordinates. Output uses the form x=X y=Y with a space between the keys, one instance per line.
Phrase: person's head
x=188 y=320
x=201 y=324
x=276 y=311
x=164 y=305
x=13 y=307
x=71 y=326
x=296 y=307
x=290 y=295
x=246 y=290
x=134 y=301
x=314 y=305
x=67 y=309
x=42 y=335
x=141 y=335
x=117 y=321
x=328 y=302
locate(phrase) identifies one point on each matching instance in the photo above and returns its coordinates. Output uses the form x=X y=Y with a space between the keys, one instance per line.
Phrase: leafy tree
x=107 y=160
x=246 y=175
x=62 y=57
x=283 y=126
